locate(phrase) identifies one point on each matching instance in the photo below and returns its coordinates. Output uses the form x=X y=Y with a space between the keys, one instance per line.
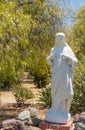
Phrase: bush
x=22 y=94
x=78 y=104
x=45 y=97
x=7 y=73
x=39 y=70
x=13 y=42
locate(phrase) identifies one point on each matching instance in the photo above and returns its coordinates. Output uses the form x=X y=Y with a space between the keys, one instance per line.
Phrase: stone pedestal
x=51 y=126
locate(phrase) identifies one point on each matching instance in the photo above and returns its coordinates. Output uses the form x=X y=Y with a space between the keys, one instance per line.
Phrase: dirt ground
x=8 y=109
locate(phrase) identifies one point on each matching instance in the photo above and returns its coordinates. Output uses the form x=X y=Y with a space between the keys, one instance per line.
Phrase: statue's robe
x=62 y=61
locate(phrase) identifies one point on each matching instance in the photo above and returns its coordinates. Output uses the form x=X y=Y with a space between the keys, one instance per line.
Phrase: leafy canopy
x=14 y=42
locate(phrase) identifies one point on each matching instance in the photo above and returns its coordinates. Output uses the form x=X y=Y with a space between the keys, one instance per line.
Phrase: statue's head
x=60 y=39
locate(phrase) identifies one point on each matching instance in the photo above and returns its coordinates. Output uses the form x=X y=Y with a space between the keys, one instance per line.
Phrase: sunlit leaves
x=14 y=41
x=77 y=41
x=77 y=33
x=78 y=104
x=45 y=21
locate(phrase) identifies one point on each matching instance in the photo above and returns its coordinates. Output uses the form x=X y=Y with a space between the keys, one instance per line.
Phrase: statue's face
x=60 y=39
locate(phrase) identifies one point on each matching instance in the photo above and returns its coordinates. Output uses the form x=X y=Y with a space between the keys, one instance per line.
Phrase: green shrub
x=45 y=97
x=22 y=94
x=13 y=42
x=78 y=104
x=7 y=73
x=39 y=70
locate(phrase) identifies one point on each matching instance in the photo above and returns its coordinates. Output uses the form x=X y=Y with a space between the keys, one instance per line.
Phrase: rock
x=19 y=125
x=16 y=125
x=36 y=121
x=33 y=112
x=32 y=128
x=24 y=115
x=28 y=122
x=9 y=122
x=8 y=128
x=79 y=126
x=76 y=118
x=80 y=117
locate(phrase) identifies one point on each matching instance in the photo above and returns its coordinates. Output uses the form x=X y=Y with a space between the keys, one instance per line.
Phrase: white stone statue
x=62 y=63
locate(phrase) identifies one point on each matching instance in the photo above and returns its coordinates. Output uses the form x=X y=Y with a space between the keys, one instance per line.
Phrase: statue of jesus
x=62 y=63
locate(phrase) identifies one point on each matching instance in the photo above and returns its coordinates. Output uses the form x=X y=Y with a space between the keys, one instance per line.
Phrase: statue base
x=52 y=126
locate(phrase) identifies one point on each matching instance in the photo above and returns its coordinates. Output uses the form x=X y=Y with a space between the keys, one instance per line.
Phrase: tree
x=76 y=37
x=77 y=32
x=40 y=71
x=25 y=29
x=44 y=22
x=14 y=42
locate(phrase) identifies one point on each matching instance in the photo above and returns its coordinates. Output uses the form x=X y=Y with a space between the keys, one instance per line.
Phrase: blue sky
x=74 y=4
x=71 y=5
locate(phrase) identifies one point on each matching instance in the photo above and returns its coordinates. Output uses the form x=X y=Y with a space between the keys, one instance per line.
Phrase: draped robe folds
x=62 y=61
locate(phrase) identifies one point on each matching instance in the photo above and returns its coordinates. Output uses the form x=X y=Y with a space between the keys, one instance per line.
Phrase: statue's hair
x=60 y=34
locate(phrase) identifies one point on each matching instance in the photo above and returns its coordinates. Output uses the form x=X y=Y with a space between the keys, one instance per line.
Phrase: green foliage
x=20 y=25
x=78 y=104
x=40 y=71
x=45 y=97
x=14 y=42
x=7 y=73
x=22 y=94
x=45 y=21
x=77 y=32
x=76 y=38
